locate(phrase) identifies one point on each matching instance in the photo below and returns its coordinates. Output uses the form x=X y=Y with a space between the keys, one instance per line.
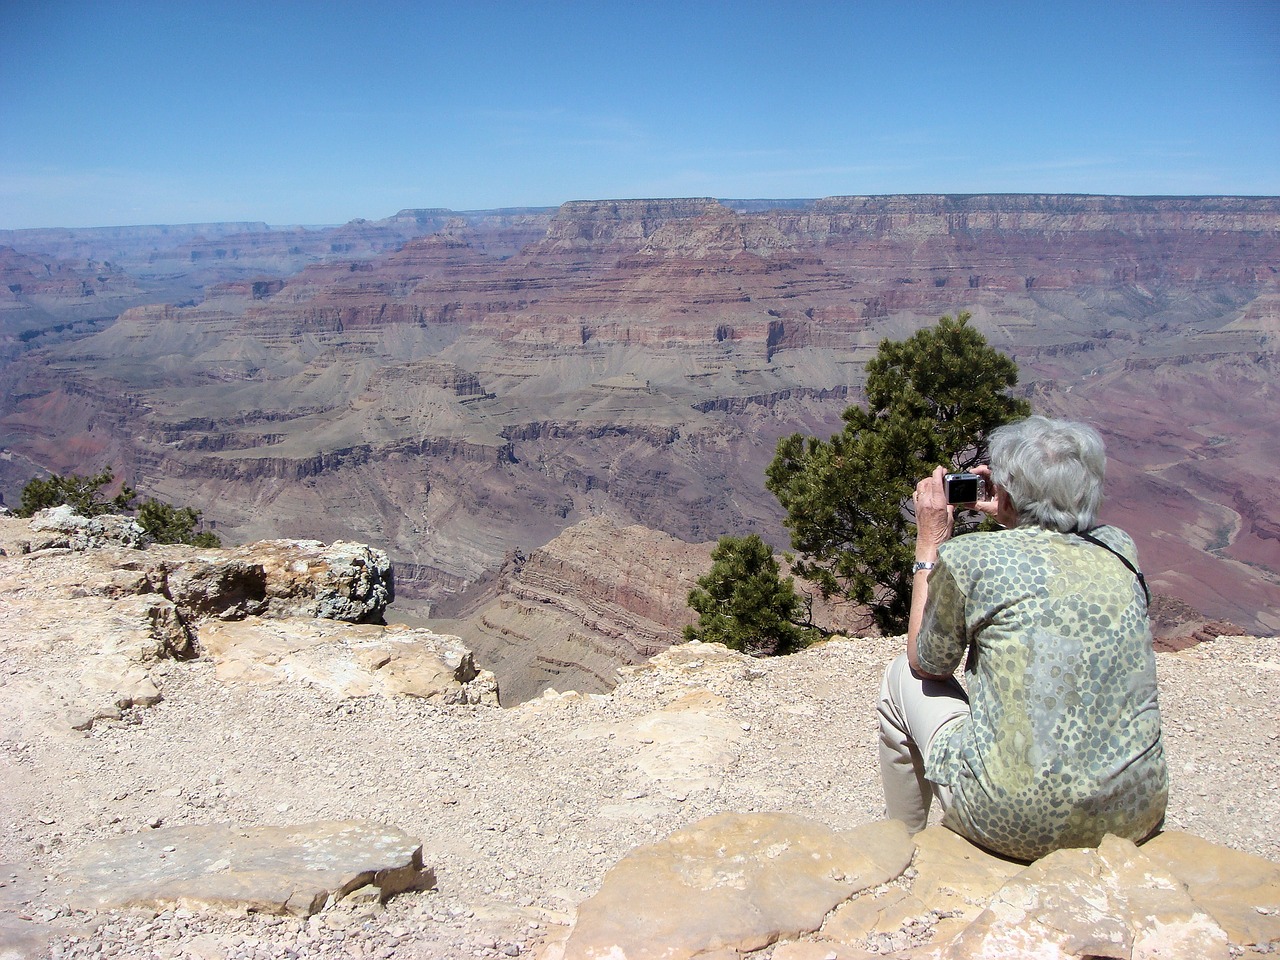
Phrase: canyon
x=461 y=389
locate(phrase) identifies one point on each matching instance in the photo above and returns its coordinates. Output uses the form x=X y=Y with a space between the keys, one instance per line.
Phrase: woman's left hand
x=934 y=516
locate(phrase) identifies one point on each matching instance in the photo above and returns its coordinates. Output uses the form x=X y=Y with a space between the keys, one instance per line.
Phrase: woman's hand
x=990 y=505
x=934 y=516
x=997 y=503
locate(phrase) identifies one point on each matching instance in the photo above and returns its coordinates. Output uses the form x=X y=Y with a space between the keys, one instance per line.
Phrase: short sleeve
x=943 y=637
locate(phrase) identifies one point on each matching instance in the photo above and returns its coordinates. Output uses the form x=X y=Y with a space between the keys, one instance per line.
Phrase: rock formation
x=103 y=610
x=62 y=528
x=349 y=661
x=40 y=294
x=734 y=884
x=597 y=598
x=295 y=870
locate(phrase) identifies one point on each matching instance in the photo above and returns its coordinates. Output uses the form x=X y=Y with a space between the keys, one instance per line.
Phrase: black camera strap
x=1142 y=581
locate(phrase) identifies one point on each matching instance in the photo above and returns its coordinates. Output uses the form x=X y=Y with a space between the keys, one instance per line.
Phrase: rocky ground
x=521 y=812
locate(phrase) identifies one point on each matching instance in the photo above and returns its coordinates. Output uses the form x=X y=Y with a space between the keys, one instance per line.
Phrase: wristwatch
x=922 y=565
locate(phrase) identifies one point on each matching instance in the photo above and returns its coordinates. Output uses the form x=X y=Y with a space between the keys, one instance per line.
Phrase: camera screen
x=962 y=487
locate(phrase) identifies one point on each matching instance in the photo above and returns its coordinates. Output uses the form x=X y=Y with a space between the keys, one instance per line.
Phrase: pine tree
x=163 y=522
x=745 y=604
x=82 y=494
x=931 y=399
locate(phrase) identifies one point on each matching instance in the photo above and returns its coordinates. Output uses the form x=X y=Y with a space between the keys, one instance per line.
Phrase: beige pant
x=912 y=712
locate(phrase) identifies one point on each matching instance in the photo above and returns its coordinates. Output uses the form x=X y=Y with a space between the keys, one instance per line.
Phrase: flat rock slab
x=351 y=660
x=734 y=883
x=738 y=882
x=1240 y=891
x=279 y=870
x=1112 y=901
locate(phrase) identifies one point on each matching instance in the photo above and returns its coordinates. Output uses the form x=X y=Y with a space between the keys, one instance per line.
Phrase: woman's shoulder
x=1111 y=535
x=984 y=545
x=1116 y=539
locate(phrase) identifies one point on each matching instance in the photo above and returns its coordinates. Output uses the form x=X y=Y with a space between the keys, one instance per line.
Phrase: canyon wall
x=485 y=381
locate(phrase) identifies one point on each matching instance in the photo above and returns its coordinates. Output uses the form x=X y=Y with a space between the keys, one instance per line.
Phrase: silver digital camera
x=963 y=488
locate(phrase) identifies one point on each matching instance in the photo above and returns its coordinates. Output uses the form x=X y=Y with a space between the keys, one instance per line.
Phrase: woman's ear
x=1006 y=512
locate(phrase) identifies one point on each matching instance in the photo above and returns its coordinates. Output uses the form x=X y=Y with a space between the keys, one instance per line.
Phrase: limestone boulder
x=62 y=527
x=351 y=582
x=1110 y=902
x=737 y=882
x=98 y=619
x=344 y=581
x=348 y=659
x=209 y=583
x=267 y=869
x=733 y=883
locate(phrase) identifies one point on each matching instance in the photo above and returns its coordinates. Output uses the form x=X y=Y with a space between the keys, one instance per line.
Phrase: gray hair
x=1052 y=470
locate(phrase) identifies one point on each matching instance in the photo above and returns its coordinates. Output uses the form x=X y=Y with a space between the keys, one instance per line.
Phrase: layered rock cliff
x=45 y=299
x=496 y=380
x=597 y=597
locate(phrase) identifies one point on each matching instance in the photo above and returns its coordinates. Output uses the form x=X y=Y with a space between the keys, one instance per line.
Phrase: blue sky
x=314 y=113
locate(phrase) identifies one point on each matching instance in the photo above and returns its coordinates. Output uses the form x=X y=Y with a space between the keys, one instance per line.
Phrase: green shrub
x=162 y=521
x=83 y=494
x=169 y=524
x=744 y=603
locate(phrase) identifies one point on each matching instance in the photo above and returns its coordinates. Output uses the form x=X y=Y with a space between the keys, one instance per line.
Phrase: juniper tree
x=931 y=399
x=83 y=494
x=163 y=522
x=744 y=603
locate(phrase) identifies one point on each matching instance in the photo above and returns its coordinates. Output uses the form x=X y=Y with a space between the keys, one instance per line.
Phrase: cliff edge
x=291 y=786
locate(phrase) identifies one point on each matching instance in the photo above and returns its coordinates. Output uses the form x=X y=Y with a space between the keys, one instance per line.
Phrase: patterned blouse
x=1063 y=743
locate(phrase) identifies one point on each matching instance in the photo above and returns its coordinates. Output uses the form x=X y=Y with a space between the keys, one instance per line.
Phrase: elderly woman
x=1057 y=741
